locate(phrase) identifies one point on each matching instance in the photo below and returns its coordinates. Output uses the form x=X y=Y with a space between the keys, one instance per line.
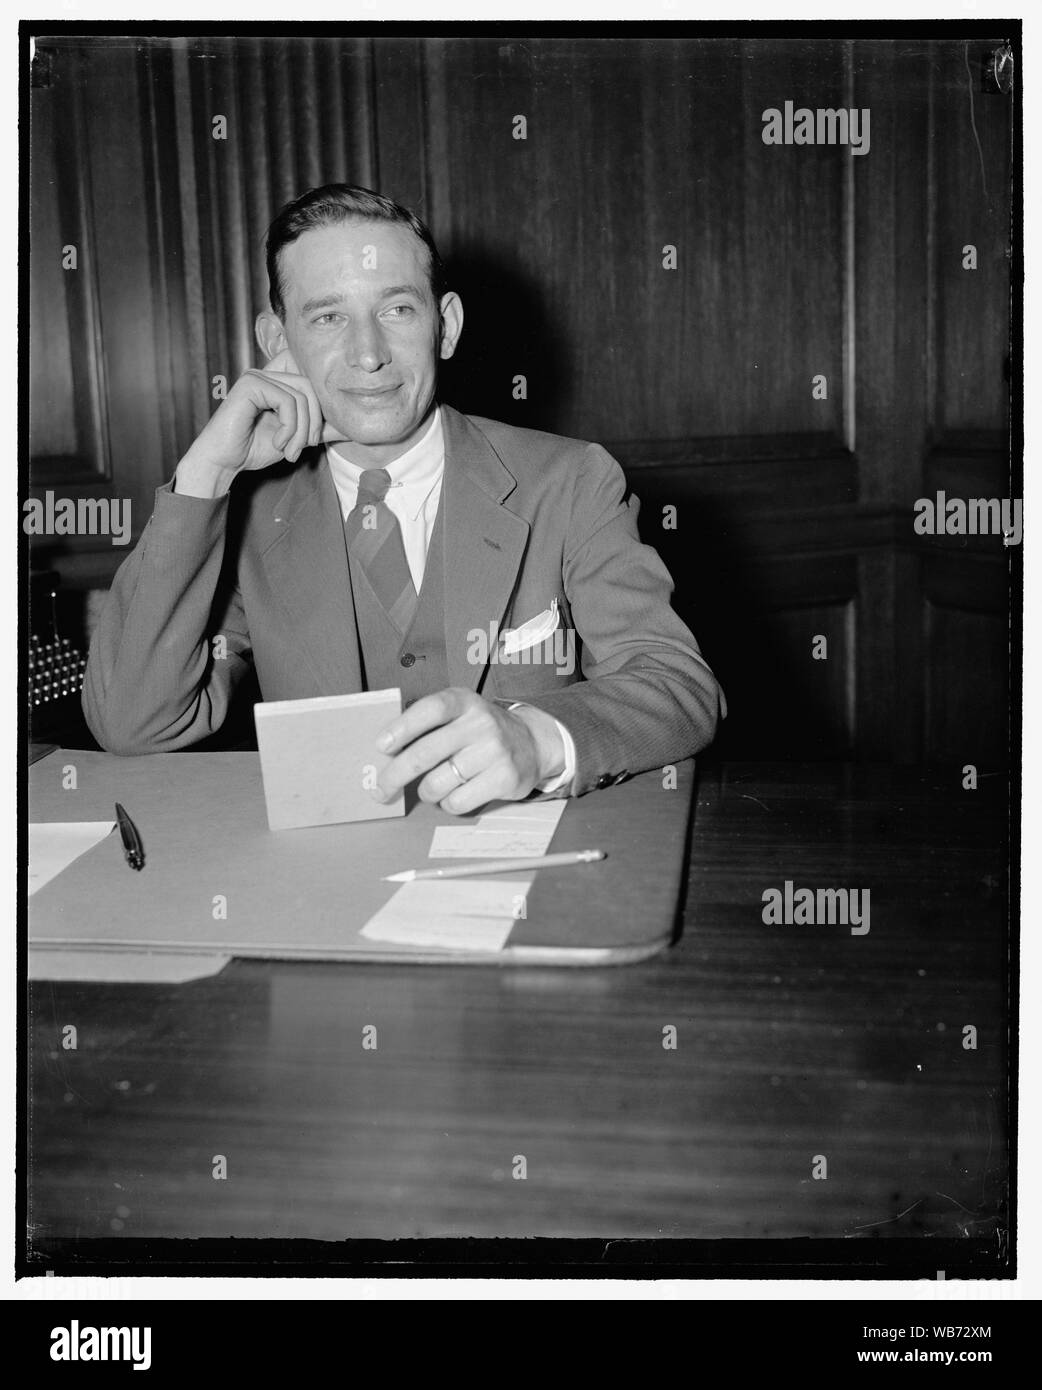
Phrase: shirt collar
x=416 y=471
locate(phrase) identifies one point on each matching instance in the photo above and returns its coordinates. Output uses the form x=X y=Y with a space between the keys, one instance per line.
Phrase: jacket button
x=604 y=780
x=620 y=778
x=408 y=659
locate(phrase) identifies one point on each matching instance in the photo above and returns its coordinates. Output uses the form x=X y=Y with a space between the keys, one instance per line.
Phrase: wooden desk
x=792 y=1042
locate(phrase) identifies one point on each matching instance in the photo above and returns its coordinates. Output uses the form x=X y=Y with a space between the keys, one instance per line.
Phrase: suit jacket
x=529 y=518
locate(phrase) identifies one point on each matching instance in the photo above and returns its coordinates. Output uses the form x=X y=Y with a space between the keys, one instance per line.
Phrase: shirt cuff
x=555 y=784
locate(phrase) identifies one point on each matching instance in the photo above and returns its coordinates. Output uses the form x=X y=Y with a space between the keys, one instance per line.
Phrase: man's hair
x=326 y=207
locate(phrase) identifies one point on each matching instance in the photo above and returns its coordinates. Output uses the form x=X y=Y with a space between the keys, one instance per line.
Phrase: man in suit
x=338 y=529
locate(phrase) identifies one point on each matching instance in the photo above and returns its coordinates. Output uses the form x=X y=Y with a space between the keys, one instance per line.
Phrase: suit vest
x=415 y=662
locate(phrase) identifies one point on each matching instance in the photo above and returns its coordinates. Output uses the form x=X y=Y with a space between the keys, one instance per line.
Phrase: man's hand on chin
x=468 y=751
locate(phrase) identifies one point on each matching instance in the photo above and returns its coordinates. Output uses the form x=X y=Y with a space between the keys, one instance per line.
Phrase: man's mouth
x=367 y=392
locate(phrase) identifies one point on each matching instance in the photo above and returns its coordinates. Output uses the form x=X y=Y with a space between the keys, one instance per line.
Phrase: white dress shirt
x=413 y=497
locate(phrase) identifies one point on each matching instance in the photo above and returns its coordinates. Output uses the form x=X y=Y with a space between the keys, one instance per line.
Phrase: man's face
x=362 y=325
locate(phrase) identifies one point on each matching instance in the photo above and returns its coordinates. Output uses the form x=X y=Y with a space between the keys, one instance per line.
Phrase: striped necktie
x=374 y=538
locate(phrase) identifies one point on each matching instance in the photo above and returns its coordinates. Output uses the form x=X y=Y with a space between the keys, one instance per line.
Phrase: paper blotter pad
x=216 y=878
x=319 y=758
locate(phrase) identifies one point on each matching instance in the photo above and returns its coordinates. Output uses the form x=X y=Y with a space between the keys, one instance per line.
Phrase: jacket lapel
x=484 y=544
x=307 y=568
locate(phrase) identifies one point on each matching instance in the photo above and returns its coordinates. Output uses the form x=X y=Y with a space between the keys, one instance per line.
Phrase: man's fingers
x=282 y=362
x=316 y=423
x=299 y=439
x=491 y=762
x=494 y=784
x=426 y=714
x=285 y=410
x=453 y=726
x=290 y=405
x=286 y=376
x=422 y=756
x=288 y=411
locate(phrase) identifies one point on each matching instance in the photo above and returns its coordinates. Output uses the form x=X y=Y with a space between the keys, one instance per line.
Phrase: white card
x=54 y=845
x=455 y=914
x=521 y=830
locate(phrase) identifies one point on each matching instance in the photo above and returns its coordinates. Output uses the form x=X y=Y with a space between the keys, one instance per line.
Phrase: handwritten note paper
x=451 y=914
x=54 y=845
x=468 y=842
x=521 y=830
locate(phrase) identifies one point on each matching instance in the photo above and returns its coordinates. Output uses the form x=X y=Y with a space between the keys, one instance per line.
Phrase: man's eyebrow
x=392 y=290
x=330 y=301
x=325 y=301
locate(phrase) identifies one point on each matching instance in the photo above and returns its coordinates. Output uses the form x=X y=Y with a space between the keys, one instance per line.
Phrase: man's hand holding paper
x=468 y=751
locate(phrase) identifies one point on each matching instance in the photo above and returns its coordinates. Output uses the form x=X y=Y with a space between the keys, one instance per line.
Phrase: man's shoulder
x=525 y=446
x=535 y=458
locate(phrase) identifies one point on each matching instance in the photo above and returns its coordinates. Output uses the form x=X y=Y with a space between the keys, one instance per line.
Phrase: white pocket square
x=518 y=639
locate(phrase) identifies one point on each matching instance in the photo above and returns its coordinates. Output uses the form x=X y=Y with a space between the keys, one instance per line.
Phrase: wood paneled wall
x=793 y=513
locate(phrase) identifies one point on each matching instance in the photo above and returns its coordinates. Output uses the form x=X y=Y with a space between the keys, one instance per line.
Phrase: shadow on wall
x=781 y=704
x=508 y=332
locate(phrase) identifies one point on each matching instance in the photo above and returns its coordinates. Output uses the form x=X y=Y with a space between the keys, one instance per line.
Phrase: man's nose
x=368 y=347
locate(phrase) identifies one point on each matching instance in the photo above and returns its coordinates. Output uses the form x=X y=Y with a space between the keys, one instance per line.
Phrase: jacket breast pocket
x=515 y=640
x=539 y=654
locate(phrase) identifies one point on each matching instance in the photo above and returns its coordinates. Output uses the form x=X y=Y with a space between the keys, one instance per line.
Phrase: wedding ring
x=456 y=770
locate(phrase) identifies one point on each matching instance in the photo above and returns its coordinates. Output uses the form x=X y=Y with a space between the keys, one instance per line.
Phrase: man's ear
x=451 y=324
x=271 y=336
